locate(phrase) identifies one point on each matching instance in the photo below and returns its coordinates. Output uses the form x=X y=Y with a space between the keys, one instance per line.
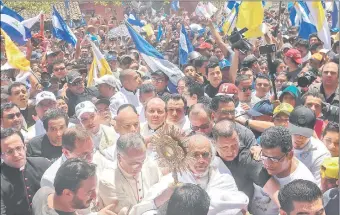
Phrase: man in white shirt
x=176 y=106
x=130 y=180
x=129 y=93
x=103 y=136
x=221 y=188
x=146 y=92
x=309 y=150
x=278 y=158
x=44 y=100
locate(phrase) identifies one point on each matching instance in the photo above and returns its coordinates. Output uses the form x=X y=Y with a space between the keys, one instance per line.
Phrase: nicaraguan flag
x=133 y=20
x=159 y=33
x=175 y=5
x=302 y=19
x=185 y=46
x=153 y=58
x=61 y=30
x=335 y=14
x=11 y=23
x=28 y=23
x=317 y=14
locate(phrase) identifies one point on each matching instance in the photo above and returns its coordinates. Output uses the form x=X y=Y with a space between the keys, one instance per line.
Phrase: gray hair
x=224 y=128
x=212 y=147
x=130 y=140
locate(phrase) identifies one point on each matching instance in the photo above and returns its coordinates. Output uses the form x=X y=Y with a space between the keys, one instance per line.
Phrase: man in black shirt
x=20 y=176
x=214 y=74
x=49 y=145
x=77 y=92
x=244 y=169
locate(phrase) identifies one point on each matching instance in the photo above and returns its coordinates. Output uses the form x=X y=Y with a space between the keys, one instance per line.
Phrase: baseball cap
x=204 y=45
x=44 y=95
x=125 y=59
x=85 y=107
x=72 y=76
x=283 y=108
x=261 y=108
x=107 y=79
x=227 y=89
x=317 y=56
x=330 y=168
x=295 y=55
x=302 y=121
x=286 y=46
x=103 y=101
x=110 y=57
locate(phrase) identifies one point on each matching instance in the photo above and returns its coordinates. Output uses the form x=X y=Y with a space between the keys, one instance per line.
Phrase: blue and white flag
x=28 y=23
x=335 y=14
x=159 y=33
x=175 y=5
x=302 y=19
x=61 y=30
x=11 y=23
x=185 y=46
x=153 y=58
x=133 y=20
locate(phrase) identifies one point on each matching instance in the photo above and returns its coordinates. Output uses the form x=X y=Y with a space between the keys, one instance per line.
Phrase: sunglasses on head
x=13 y=115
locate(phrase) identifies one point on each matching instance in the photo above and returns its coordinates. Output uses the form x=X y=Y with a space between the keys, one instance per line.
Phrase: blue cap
x=110 y=57
x=335 y=30
x=261 y=108
x=224 y=63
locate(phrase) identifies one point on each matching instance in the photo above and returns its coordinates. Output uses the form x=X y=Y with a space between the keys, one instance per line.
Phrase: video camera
x=237 y=42
x=307 y=79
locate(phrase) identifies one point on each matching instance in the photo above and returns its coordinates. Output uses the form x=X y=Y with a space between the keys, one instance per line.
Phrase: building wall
x=104 y=11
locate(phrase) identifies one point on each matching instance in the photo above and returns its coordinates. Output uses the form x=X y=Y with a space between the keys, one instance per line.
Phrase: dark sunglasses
x=245 y=89
x=78 y=83
x=13 y=115
x=59 y=69
x=196 y=128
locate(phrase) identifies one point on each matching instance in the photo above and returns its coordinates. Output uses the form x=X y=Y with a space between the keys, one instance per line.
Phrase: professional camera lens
x=306 y=80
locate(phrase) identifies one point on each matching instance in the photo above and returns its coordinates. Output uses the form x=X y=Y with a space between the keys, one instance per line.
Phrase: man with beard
x=20 y=176
x=75 y=189
x=221 y=188
x=49 y=145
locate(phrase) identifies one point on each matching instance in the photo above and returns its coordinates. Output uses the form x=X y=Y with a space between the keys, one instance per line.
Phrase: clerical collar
x=23 y=108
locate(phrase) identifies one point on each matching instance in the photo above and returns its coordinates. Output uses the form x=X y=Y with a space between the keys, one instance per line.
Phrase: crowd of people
x=263 y=136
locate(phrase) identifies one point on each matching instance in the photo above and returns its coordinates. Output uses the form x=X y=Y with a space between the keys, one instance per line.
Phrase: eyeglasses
x=245 y=89
x=59 y=69
x=157 y=80
x=78 y=83
x=227 y=112
x=13 y=115
x=272 y=159
x=204 y=126
x=10 y=152
x=198 y=155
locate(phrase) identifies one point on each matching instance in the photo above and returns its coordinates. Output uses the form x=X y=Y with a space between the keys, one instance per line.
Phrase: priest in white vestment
x=222 y=189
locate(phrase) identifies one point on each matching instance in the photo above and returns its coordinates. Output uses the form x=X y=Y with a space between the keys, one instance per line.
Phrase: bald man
x=221 y=188
x=155 y=114
x=126 y=121
x=129 y=93
x=201 y=119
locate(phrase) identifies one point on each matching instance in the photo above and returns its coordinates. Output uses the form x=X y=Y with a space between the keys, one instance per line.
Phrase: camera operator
x=329 y=84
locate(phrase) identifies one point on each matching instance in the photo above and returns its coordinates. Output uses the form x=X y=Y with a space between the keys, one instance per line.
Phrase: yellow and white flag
x=99 y=66
x=317 y=15
x=15 y=57
x=251 y=15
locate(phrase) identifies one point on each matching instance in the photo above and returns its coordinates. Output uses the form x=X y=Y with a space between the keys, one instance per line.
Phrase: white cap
x=44 y=95
x=85 y=107
x=107 y=79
